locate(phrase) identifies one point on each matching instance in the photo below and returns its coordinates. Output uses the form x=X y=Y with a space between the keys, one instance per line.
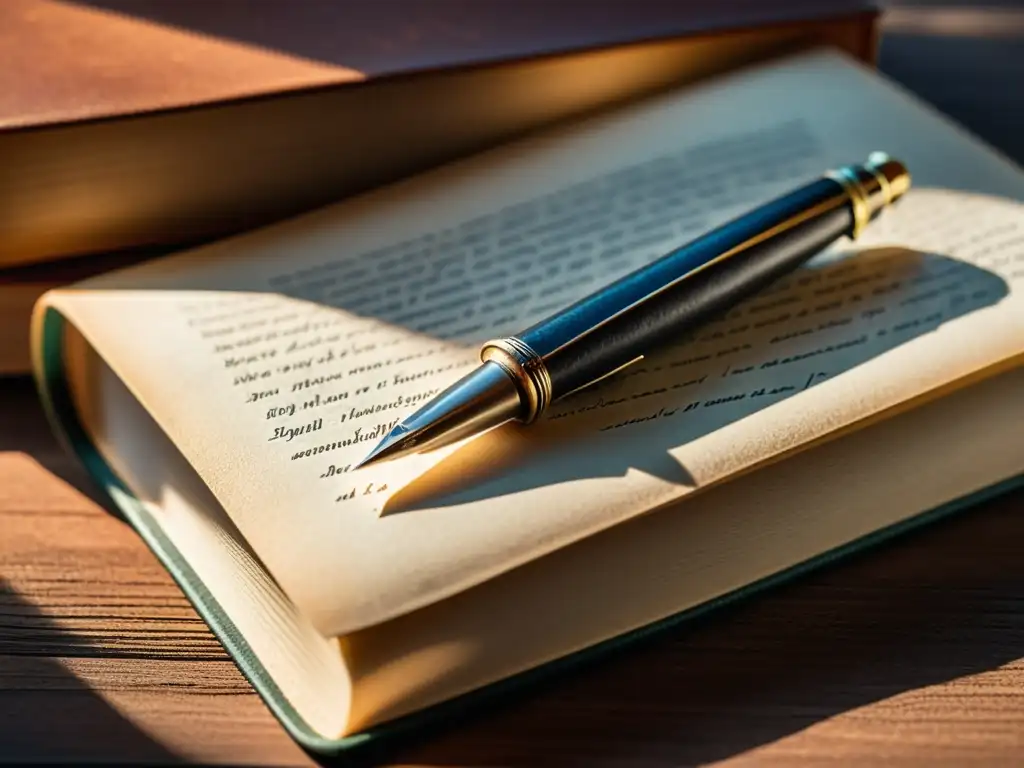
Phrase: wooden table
x=910 y=653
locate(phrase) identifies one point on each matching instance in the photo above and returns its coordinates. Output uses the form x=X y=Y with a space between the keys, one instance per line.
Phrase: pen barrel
x=659 y=304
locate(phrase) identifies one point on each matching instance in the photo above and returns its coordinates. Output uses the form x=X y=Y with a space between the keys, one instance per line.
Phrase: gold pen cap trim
x=883 y=184
x=526 y=368
x=871 y=187
x=846 y=177
x=895 y=174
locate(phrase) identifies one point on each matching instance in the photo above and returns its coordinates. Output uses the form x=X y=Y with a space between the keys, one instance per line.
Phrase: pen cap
x=871 y=187
x=893 y=171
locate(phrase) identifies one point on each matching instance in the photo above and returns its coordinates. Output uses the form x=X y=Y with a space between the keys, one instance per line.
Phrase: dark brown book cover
x=127 y=123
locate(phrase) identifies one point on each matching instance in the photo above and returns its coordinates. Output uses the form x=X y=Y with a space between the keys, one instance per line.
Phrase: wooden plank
x=101 y=656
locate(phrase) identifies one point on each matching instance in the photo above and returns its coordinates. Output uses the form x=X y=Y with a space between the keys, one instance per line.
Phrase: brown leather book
x=128 y=123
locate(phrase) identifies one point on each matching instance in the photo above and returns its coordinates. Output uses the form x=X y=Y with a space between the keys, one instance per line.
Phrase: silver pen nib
x=485 y=398
x=391 y=447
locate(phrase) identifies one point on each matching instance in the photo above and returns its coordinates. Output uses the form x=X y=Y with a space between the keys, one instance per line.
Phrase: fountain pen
x=521 y=375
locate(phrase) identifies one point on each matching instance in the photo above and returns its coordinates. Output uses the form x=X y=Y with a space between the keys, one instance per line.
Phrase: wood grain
x=101 y=656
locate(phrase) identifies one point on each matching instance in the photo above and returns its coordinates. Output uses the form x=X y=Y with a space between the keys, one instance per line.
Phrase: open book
x=223 y=395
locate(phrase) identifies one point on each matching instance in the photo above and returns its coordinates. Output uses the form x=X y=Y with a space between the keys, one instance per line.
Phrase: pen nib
x=400 y=441
x=485 y=398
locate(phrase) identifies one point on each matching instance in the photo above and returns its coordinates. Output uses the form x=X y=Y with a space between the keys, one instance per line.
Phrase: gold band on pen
x=895 y=186
x=883 y=184
x=847 y=178
x=526 y=368
x=870 y=188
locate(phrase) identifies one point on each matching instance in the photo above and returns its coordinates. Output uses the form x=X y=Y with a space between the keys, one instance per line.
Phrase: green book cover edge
x=49 y=374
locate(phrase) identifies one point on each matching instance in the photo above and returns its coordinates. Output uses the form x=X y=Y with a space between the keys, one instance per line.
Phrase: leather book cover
x=128 y=123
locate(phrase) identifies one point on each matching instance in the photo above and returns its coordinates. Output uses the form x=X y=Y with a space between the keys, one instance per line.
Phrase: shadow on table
x=47 y=714
x=24 y=428
x=924 y=610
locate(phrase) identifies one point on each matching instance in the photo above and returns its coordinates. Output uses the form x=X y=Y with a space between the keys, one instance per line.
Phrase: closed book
x=130 y=123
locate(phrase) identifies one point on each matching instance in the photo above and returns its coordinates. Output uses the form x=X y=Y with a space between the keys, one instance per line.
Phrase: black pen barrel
x=652 y=307
x=661 y=303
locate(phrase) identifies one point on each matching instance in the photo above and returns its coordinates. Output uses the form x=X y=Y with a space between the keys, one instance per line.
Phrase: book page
x=687 y=554
x=274 y=361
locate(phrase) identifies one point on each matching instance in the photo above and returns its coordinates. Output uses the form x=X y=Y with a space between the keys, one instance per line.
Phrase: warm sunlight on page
x=274 y=361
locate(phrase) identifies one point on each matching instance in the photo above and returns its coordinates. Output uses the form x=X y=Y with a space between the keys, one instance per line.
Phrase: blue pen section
x=690 y=285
